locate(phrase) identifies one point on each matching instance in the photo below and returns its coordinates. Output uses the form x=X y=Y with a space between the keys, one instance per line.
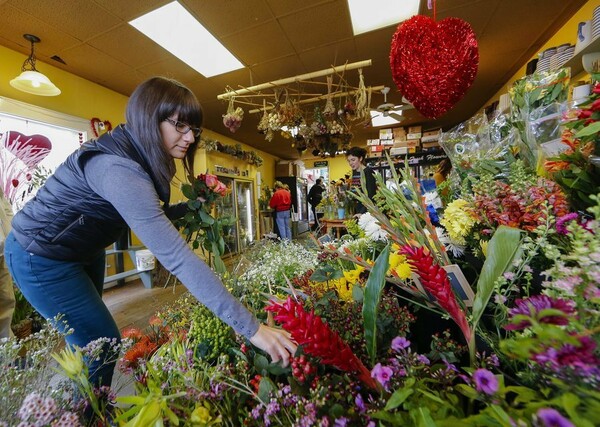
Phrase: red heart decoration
x=434 y=63
x=99 y=126
x=31 y=149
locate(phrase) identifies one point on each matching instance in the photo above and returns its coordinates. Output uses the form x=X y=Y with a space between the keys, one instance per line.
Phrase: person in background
x=315 y=195
x=7 y=294
x=55 y=251
x=355 y=157
x=442 y=171
x=282 y=203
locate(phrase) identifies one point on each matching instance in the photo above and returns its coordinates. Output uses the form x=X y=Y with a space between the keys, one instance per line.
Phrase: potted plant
x=22 y=321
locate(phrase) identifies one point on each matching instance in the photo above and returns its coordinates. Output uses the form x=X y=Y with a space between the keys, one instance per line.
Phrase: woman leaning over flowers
x=56 y=254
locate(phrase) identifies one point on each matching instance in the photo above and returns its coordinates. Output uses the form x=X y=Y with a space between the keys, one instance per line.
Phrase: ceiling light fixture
x=374 y=14
x=176 y=30
x=31 y=80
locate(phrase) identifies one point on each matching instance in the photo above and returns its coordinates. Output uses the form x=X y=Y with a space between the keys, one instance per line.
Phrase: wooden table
x=335 y=225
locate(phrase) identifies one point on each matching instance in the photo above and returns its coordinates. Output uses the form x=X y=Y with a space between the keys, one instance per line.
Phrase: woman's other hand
x=276 y=342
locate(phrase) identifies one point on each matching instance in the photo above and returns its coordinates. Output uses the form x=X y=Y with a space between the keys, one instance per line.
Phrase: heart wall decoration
x=99 y=127
x=434 y=63
x=30 y=149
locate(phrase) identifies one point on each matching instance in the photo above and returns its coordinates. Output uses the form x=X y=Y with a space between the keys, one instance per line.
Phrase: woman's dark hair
x=444 y=167
x=357 y=152
x=153 y=101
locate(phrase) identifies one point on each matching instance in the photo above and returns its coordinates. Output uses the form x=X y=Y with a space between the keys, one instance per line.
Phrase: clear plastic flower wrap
x=467 y=142
x=543 y=128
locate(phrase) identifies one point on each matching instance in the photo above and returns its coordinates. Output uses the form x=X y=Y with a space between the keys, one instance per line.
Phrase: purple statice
x=382 y=374
x=360 y=404
x=561 y=223
x=423 y=359
x=549 y=417
x=400 y=343
x=532 y=306
x=341 y=422
x=485 y=381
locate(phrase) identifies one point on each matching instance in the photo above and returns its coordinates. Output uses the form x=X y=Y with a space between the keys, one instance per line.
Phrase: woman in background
x=355 y=157
x=442 y=171
x=282 y=203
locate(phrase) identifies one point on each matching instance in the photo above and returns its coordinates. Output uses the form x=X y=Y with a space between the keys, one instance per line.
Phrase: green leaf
x=206 y=218
x=328 y=272
x=373 y=289
x=188 y=191
x=336 y=411
x=398 y=398
x=189 y=217
x=422 y=416
x=588 y=130
x=395 y=419
x=261 y=363
x=357 y=293
x=501 y=251
x=265 y=388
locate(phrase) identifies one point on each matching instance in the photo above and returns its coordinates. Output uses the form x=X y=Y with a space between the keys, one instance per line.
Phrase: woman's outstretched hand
x=276 y=342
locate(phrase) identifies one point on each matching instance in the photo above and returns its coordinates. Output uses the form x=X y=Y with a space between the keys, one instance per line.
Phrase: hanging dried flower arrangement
x=234 y=116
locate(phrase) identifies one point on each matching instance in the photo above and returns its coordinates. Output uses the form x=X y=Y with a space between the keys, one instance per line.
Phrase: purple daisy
x=485 y=381
x=382 y=374
x=552 y=418
x=400 y=343
x=532 y=306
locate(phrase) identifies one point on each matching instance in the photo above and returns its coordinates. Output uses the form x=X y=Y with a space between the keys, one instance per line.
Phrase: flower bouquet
x=198 y=225
x=577 y=168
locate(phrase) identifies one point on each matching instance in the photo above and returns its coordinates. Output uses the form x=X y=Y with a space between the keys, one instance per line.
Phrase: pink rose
x=211 y=180
x=221 y=189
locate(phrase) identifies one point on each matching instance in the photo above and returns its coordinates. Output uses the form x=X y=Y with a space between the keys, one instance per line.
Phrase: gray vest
x=66 y=220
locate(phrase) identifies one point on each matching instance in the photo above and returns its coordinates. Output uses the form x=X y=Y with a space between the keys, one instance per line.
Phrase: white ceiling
x=274 y=39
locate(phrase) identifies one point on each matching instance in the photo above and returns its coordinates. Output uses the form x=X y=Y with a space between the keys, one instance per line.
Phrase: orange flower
x=556 y=165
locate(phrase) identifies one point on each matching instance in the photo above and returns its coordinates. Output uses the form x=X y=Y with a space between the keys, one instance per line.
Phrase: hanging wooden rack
x=289 y=80
x=318 y=98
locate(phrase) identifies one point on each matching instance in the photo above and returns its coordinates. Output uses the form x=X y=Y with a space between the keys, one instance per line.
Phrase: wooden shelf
x=575 y=62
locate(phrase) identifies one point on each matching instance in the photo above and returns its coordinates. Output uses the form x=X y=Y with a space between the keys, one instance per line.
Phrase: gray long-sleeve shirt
x=129 y=189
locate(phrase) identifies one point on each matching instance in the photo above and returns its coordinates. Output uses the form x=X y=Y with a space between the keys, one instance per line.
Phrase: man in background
x=315 y=195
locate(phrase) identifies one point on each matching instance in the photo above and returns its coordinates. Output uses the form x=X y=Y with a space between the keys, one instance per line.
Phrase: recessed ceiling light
x=175 y=29
x=373 y=14
x=378 y=119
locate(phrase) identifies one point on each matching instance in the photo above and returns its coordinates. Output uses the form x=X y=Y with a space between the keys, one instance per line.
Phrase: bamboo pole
x=317 y=98
x=288 y=80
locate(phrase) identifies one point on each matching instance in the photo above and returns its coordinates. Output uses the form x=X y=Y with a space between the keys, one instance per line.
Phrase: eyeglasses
x=184 y=128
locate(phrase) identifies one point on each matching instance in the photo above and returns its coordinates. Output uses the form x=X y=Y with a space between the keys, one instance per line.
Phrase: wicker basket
x=23 y=329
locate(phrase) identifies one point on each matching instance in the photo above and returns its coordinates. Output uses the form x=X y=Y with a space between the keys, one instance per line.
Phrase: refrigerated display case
x=239 y=203
x=299 y=191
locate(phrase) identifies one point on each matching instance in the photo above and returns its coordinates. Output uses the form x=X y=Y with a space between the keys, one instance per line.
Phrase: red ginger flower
x=317 y=339
x=435 y=281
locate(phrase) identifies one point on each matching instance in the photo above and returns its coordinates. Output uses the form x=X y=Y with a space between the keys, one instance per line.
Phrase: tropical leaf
x=502 y=249
x=375 y=285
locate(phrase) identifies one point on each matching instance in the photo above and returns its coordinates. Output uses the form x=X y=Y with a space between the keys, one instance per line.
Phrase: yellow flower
x=484 y=247
x=70 y=361
x=343 y=288
x=459 y=218
x=201 y=416
x=352 y=276
x=399 y=266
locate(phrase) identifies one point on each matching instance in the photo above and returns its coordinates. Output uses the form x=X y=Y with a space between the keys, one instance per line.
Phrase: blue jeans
x=283 y=223
x=73 y=289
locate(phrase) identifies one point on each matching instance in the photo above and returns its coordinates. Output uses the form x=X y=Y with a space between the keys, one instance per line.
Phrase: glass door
x=226 y=209
x=245 y=214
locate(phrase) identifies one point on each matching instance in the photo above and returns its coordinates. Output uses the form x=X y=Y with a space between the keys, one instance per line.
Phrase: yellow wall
x=82 y=98
x=338 y=166
x=567 y=34
x=79 y=97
